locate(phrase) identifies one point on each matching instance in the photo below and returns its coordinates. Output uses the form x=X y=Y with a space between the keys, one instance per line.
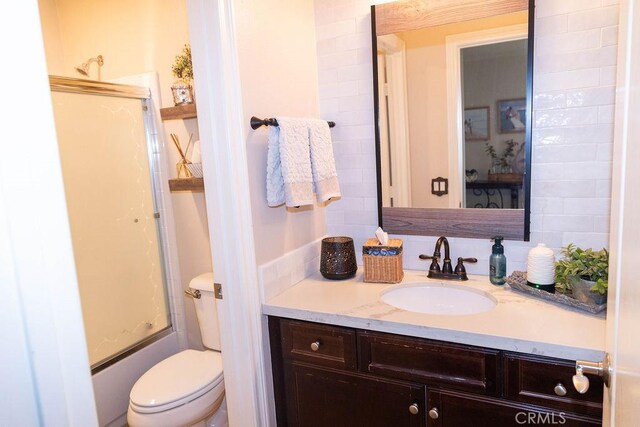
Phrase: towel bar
x=256 y=122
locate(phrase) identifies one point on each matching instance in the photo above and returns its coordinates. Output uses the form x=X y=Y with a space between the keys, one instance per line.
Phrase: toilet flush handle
x=193 y=292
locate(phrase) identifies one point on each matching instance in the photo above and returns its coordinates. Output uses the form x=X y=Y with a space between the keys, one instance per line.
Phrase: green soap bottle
x=498 y=262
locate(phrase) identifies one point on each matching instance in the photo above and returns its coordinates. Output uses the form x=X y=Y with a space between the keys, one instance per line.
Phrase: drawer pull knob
x=560 y=389
x=414 y=409
x=433 y=413
x=315 y=346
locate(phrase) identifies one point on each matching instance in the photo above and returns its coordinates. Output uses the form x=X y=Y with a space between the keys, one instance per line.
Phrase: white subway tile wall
x=574 y=90
x=283 y=272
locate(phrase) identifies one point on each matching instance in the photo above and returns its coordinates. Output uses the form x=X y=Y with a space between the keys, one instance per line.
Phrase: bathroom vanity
x=342 y=357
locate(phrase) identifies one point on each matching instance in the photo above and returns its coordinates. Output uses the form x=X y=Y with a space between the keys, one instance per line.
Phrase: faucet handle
x=460 y=270
x=434 y=263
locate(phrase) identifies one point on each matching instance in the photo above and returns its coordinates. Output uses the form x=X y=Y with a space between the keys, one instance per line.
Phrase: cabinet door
x=451 y=409
x=328 y=398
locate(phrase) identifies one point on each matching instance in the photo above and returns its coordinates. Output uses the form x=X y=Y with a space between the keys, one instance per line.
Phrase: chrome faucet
x=447 y=272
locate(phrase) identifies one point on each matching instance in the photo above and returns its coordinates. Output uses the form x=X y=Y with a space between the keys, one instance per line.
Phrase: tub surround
x=518 y=323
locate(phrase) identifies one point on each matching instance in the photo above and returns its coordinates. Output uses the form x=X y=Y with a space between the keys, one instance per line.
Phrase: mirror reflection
x=452 y=114
x=494 y=89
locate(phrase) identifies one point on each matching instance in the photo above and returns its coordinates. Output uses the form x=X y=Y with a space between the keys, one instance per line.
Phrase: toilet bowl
x=186 y=389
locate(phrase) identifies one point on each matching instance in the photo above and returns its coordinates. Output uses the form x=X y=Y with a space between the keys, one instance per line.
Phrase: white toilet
x=186 y=389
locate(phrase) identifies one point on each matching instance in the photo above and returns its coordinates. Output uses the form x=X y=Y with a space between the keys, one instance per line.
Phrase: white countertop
x=518 y=322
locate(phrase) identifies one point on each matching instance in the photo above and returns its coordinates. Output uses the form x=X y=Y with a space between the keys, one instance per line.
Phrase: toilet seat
x=177 y=380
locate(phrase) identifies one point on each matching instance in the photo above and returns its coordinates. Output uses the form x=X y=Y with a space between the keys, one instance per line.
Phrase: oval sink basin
x=437 y=298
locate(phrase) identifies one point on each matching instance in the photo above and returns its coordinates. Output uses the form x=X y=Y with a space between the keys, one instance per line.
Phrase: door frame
x=395 y=147
x=45 y=364
x=622 y=301
x=226 y=179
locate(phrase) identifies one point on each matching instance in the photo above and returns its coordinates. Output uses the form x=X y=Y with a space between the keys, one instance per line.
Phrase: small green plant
x=491 y=152
x=505 y=159
x=583 y=263
x=182 y=67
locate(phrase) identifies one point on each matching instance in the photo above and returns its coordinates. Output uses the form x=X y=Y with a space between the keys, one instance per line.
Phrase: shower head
x=84 y=68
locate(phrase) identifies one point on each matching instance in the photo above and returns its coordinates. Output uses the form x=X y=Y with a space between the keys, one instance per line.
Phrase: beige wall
x=135 y=37
x=427 y=102
x=277 y=60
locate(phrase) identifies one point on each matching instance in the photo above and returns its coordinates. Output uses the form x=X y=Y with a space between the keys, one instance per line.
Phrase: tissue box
x=382 y=264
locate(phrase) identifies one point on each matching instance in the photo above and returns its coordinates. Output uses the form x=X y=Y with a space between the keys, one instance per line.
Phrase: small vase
x=182 y=93
x=182 y=168
x=581 y=290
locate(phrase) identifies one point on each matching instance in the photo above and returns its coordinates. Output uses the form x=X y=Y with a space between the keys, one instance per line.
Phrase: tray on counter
x=518 y=282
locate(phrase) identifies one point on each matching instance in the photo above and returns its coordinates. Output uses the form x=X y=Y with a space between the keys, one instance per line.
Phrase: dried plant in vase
x=182 y=69
x=182 y=167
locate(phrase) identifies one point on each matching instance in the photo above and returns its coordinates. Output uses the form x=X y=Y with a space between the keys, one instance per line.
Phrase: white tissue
x=383 y=237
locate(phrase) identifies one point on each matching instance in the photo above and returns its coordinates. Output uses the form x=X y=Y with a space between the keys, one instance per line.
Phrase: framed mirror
x=453 y=106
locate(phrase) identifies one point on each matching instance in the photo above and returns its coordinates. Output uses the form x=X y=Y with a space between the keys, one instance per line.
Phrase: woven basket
x=382 y=264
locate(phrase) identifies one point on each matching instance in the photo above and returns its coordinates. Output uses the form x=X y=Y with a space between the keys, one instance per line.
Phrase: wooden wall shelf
x=186 y=184
x=179 y=112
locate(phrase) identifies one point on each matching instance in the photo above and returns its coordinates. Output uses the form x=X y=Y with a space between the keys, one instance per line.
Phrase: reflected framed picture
x=476 y=124
x=512 y=115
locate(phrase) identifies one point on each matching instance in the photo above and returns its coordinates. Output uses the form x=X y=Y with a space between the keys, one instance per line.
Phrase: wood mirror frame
x=513 y=224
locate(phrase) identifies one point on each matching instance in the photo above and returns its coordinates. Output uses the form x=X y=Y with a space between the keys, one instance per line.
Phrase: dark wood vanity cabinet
x=335 y=376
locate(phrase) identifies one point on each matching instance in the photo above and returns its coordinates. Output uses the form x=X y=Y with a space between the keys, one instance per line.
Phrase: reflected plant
x=505 y=159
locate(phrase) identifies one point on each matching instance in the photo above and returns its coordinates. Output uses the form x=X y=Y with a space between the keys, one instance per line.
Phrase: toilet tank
x=207 y=310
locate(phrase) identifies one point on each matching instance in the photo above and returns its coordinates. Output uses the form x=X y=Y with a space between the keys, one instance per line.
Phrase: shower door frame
x=118 y=90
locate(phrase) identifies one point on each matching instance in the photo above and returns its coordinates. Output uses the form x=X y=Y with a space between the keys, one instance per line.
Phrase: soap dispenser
x=497 y=262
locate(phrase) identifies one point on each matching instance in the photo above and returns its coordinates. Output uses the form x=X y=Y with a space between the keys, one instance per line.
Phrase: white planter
x=182 y=93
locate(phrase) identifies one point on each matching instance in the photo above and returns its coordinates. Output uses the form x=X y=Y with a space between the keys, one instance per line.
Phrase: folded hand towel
x=323 y=166
x=289 y=178
x=299 y=162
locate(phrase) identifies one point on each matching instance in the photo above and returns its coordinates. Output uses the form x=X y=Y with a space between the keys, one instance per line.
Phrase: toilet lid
x=177 y=380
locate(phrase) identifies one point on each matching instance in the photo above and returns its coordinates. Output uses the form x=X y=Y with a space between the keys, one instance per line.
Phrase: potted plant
x=182 y=69
x=584 y=273
x=501 y=170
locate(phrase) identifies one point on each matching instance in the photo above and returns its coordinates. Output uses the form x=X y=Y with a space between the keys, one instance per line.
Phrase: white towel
x=289 y=178
x=299 y=161
x=323 y=165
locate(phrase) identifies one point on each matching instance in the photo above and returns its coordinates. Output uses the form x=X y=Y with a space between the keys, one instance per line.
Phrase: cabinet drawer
x=322 y=345
x=533 y=379
x=430 y=362
x=451 y=409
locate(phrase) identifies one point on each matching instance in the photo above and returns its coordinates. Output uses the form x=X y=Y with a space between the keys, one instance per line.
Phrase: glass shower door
x=116 y=241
